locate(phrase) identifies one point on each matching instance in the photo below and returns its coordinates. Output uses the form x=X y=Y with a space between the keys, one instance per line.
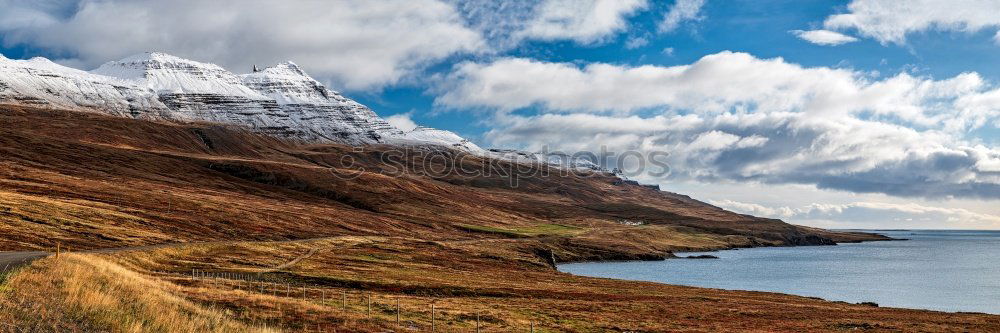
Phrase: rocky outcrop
x=701 y=256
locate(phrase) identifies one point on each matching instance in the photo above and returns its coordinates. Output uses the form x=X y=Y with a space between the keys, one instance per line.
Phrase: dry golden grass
x=85 y=293
x=508 y=288
x=299 y=286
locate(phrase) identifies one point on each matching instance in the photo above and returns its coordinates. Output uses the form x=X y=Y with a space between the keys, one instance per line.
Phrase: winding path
x=311 y=252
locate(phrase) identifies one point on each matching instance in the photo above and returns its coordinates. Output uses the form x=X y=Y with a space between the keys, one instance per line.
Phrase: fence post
x=58 y=248
x=369 y=305
x=532 y=327
x=433 y=323
x=345 y=300
x=477 y=322
x=397 y=311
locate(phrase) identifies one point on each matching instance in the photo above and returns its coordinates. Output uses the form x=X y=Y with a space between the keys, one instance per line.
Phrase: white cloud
x=27 y=14
x=889 y=21
x=358 y=44
x=584 y=21
x=402 y=121
x=824 y=37
x=755 y=209
x=906 y=215
x=354 y=44
x=734 y=117
x=681 y=11
x=497 y=21
x=636 y=42
x=507 y=24
x=713 y=140
x=717 y=140
x=722 y=82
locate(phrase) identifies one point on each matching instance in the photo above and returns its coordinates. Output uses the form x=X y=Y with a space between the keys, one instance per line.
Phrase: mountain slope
x=93 y=181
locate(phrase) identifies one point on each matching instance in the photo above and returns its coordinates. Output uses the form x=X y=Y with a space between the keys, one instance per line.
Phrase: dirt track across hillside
x=15 y=259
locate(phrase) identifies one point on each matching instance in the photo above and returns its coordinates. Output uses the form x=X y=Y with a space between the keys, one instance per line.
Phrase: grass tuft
x=85 y=293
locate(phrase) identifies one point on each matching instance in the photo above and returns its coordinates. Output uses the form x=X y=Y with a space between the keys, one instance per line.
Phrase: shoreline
x=652 y=257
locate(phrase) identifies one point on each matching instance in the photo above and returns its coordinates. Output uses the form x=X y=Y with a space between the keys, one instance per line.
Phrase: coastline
x=662 y=256
x=838 y=276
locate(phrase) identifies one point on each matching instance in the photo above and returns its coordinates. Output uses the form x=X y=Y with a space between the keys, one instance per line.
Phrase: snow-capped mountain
x=330 y=115
x=281 y=100
x=40 y=82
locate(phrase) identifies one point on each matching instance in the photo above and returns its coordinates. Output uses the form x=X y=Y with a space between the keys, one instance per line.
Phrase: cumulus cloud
x=889 y=21
x=755 y=209
x=402 y=121
x=734 y=117
x=584 y=21
x=681 y=11
x=824 y=37
x=908 y=215
x=721 y=82
x=357 y=44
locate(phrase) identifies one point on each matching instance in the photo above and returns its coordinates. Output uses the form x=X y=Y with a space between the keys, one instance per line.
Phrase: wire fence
x=403 y=312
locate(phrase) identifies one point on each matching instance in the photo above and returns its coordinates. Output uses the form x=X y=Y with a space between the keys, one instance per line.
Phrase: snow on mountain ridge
x=422 y=134
x=289 y=84
x=166 y=73
x=280 y=100
x=40 y=82
x=301 y=97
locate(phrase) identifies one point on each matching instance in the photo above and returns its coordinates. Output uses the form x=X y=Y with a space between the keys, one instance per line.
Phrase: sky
x=837 y=114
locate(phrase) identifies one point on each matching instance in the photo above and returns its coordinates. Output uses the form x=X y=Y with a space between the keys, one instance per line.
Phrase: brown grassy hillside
x=276 y=231
x=93 y=181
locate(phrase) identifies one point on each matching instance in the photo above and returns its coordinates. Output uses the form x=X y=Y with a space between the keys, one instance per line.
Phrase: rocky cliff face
x=281 y=100
x=329 y=115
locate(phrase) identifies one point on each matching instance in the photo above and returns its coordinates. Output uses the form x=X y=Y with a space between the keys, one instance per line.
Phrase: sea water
x=949 y=270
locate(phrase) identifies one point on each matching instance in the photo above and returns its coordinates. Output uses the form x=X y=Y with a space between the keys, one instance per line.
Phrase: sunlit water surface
x=939 y=270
